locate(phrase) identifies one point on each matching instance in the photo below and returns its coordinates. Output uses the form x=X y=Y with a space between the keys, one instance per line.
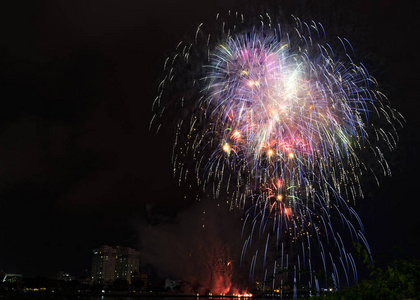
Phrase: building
x=111 y=263
x=62 y=276
x=103 y=264
x=127 y=263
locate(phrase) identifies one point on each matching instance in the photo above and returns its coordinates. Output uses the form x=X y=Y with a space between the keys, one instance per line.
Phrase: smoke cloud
x=201 y=246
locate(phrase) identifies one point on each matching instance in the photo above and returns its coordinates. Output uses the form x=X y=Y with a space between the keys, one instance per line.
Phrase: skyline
x=81 y=169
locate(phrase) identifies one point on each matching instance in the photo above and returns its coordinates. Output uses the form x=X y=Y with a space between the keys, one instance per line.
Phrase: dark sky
x=78 y=165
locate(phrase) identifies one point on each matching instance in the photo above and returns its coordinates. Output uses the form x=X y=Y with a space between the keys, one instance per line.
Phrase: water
x=122 y=297
x=76 y=297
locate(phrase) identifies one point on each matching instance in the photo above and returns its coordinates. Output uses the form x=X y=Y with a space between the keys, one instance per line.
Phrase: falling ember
x=236 y=135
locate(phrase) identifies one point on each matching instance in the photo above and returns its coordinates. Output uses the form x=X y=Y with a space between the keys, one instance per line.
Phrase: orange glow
x=272 y=112
x=279 y=197
x=226 y=148
x=291 y=155
x=242 y=295
x=270 y=152
x=236 y=135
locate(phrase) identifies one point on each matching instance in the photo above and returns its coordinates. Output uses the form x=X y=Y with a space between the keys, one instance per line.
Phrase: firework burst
x=277 y=121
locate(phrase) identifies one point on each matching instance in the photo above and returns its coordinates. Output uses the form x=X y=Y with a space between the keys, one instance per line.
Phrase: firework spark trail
x=278 y=122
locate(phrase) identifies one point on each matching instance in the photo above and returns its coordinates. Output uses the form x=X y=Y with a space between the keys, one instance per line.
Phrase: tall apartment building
x=103 y=264
x=127 y=263
x=111 y=263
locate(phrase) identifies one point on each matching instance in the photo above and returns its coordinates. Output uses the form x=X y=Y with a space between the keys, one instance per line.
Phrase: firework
x=278 y=122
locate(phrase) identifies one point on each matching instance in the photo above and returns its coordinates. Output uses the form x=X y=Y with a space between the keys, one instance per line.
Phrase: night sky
x=78 y=165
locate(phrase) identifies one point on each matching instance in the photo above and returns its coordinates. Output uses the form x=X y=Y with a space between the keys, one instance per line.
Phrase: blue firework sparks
x=275 y=121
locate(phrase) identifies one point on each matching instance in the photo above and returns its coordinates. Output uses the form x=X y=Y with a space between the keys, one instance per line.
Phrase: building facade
x=127 y=263
x=103 y=264
x=111 y=263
